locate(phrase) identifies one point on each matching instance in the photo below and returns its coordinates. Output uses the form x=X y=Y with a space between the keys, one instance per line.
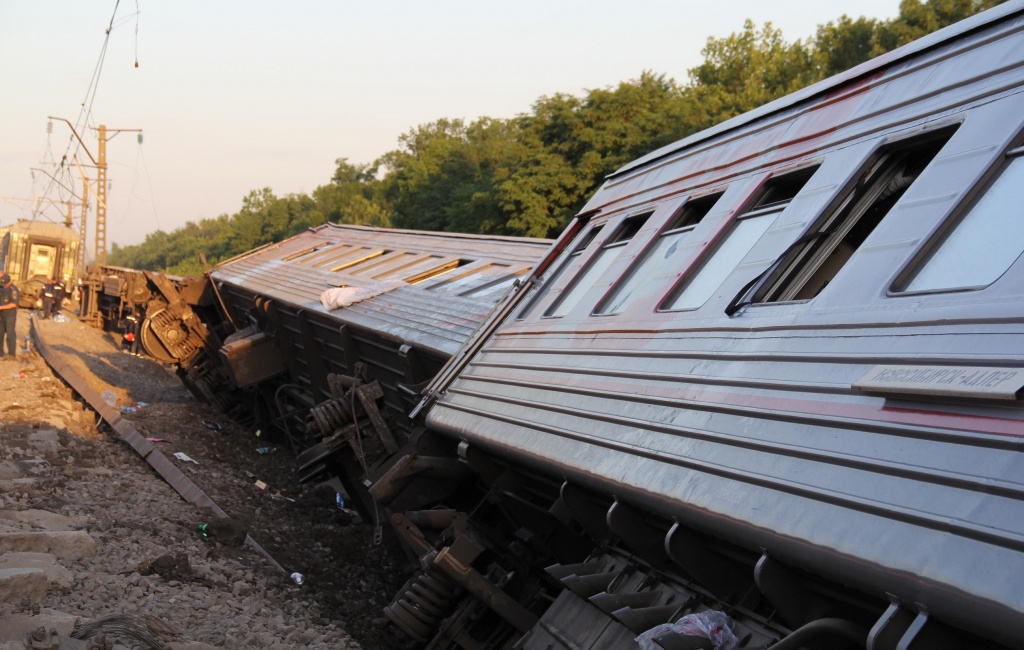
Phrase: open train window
x=660 y=259
x=815 y=259
x=750 y=224
x=598 y=264
x=976 y=249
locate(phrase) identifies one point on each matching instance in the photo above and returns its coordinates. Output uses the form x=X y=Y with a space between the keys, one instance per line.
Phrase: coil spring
x=330 y=415
x=422 y=604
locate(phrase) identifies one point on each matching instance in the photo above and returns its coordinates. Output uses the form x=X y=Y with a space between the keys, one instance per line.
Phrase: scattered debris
x=265 y=450
x=170 y=566
x=213 y=426
x=184 y=457
x=261 y=485
x=298 y=578
x=147 y=629
x=227 y=531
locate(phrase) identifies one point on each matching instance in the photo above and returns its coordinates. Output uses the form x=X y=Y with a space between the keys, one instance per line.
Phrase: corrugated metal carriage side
x=775 y=370
x=341 y=381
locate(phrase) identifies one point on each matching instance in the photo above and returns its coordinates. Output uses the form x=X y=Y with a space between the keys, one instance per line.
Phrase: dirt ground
x=348 y=580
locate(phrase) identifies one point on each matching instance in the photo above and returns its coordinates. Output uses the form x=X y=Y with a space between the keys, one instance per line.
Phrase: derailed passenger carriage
x=332 y=335
x=768 y=383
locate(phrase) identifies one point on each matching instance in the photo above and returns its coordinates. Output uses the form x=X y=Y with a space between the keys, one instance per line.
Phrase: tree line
x=530 y=174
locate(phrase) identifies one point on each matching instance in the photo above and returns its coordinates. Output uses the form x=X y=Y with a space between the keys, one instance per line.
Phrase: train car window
x=577 y=250
x=494 y=290
x=304 y=252
x=364 y=254
x=472 y=279
x=598 y=264
x=750 y=224
x=808 y=267
x=435 y=267
x=660 y=259
x=979 y=247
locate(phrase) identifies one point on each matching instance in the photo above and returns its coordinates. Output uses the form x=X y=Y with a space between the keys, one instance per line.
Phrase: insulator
x=423 y=603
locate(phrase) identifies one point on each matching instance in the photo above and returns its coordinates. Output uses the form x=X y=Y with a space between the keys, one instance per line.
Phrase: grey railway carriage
x=764 y=391
x=773 y=371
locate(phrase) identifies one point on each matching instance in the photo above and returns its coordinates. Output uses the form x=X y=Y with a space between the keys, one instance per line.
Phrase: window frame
x=679 y=222
x=587 y=235
x=752 y=209
x=612 y=241
x=807 y=256
x=936 y=239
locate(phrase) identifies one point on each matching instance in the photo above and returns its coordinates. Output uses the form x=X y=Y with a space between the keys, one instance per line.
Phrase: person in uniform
x=9 y=297
x=59 y=293
x=48 y=290
x=130 y=341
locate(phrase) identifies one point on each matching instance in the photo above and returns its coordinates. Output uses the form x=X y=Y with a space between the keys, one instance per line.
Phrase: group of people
x=53 y=296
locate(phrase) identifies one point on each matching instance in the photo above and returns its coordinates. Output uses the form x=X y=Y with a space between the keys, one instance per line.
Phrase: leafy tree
x=749 y=68
x=917 y=19
x=530 y=174
x=843 y=44
x=353 y=196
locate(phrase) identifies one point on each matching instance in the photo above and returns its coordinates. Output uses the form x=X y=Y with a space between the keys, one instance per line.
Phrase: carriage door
x=41 y=259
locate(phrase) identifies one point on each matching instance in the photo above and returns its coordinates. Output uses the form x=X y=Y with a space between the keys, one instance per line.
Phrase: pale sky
x=234 y=96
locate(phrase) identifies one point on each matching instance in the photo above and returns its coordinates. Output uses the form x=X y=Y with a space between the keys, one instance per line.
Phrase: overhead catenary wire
x=85 y=113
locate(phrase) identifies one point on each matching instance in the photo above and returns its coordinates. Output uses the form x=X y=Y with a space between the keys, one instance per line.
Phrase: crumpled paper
x=338 y=297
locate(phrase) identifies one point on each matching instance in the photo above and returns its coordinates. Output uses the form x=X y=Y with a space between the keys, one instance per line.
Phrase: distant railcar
x=773 y=370
x=34 y=252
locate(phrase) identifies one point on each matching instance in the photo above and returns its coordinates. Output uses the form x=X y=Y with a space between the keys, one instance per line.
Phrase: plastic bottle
x=28 y=344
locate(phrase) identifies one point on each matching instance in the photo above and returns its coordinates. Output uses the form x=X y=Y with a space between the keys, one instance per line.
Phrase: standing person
x=48 y=290
x=130 y=342
x=59 y=293
x=9 y=297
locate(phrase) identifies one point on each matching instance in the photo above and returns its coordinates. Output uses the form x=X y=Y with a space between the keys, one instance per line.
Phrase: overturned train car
x=771 y=372
x=764 y=389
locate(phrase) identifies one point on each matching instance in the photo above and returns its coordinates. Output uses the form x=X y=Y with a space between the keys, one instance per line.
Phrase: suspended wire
x=133 y=195
x=149 y=183
x=84 y=115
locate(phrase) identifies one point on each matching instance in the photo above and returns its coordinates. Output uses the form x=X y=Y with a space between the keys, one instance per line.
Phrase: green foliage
x=917 y=19
x=530 y=174
x=750 y=68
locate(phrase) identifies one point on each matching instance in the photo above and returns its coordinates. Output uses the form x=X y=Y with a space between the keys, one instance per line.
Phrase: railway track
x=90 y=481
